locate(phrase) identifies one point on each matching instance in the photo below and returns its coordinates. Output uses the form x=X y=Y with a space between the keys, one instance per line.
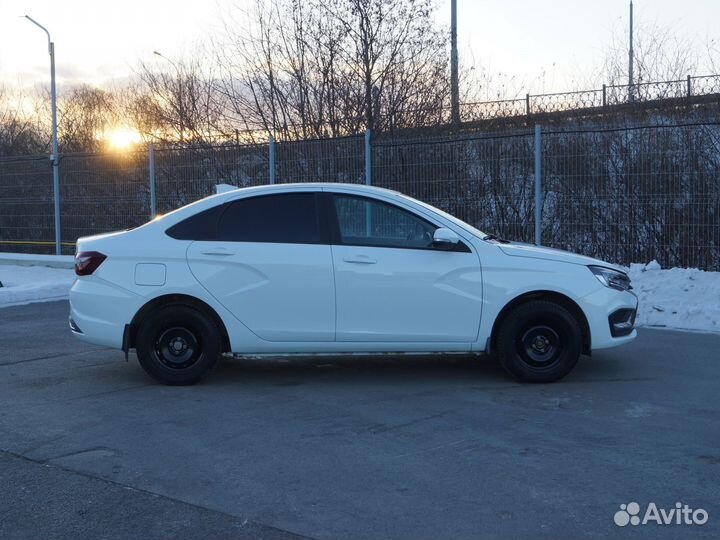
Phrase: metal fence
x=635 y=194
x=609 y=95
x=183 y=175
x=625 y=194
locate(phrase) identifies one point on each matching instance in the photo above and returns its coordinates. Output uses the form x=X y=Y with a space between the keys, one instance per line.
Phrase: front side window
x=287 y=218
x=369 y=222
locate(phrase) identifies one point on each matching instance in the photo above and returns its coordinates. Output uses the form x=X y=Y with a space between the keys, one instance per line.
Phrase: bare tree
x=176 y=105
x=84 y=115
x=659 y=55
x=713 y=56
x=315 y=68
x=20 y=133
x=394 y=55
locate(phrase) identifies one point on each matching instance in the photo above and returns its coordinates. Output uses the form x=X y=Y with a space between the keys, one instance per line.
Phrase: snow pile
x=26 y=284
x=682 y=298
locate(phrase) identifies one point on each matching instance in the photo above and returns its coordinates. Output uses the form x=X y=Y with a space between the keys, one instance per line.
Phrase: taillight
x=86 y=262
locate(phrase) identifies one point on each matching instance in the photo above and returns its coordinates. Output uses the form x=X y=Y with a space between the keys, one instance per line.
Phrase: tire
x=178 y=344
x=539 y=342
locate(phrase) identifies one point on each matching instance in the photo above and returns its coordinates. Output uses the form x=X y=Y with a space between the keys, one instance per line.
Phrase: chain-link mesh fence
x=635 y=194
x=186 y=174
x=102 y=192
x=626 y=194
x=321 y=160
x=26 y=205
x=485 y=181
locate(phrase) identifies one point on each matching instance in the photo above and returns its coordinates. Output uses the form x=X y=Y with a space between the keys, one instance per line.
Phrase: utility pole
x=54 y=157
x=631 y=93
x=454 y=86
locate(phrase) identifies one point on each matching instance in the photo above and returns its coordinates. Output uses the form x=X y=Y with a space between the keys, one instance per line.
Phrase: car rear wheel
x=178 y=344
x=539 y=341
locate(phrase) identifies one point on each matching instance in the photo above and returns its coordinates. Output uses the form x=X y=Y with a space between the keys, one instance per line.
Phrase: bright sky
x=99 y=42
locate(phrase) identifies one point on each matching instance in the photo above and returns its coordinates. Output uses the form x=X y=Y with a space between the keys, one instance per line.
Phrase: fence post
x=689 y=86
x=153 y=199
x=271 y=166
x=368 y=182
x=527 y=104
x=538 y=182
x=604 y=96
x=368 y=158
x=56 y=193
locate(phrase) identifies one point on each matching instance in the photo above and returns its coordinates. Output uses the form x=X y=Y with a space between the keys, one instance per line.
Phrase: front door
x=392 y=285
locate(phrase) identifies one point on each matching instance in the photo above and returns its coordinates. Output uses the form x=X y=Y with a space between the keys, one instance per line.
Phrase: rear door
x=271 y=266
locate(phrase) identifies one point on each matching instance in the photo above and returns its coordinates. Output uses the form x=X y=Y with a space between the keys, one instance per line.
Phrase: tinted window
x=368 y=222
x=289 y=218
x=201 y=226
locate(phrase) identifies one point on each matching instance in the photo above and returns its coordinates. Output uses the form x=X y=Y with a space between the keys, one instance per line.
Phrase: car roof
x=226 y=196
x=314 y=186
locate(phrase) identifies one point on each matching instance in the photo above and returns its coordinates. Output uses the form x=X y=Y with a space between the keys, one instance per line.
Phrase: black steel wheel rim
x=177 y=348
x=540 y=346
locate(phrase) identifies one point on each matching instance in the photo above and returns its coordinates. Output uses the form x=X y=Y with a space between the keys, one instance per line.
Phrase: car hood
x=550 y=254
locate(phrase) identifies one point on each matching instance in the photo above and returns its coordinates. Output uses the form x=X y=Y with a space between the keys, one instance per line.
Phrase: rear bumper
x=99 y=311
x=611 y=317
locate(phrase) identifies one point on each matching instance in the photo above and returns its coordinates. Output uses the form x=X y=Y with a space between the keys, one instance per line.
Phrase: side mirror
x=446 y=239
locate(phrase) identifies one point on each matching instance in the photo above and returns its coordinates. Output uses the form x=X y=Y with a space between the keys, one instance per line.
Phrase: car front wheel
x=178 y=345
x=539 y=341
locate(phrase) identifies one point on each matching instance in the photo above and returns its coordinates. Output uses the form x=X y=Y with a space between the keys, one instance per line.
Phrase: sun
x=122 y=137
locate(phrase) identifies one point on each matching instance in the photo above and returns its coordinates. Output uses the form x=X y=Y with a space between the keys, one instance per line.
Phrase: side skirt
x=331 y=355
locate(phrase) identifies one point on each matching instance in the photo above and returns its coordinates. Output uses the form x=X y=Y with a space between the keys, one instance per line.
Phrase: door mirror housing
x=444 y=238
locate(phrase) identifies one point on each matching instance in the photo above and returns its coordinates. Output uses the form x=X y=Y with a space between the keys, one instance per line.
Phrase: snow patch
x=27 y=259
x=27 y=284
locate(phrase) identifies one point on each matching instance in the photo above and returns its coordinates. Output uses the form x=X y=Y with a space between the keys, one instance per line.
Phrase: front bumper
x=622 y=322
x=611 y=317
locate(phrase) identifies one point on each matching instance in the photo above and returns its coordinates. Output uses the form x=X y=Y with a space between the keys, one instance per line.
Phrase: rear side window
x=288 y=218
x=201 y=226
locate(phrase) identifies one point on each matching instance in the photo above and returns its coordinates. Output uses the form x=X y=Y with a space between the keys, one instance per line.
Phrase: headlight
x=611 y=278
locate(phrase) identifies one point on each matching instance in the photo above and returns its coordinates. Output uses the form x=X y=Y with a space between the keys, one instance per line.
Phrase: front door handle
x=359 y=259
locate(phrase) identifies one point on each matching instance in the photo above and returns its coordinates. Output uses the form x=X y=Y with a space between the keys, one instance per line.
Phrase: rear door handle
x=359 y=259
x=218 y=252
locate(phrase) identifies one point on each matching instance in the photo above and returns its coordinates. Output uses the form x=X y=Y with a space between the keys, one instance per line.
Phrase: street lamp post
x=54 y=157
x=181 y=107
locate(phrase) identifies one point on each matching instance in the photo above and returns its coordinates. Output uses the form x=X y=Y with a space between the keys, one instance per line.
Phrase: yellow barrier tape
x=35 y=243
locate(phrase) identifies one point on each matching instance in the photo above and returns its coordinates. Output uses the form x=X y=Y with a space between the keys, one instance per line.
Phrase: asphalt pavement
x=355 y=448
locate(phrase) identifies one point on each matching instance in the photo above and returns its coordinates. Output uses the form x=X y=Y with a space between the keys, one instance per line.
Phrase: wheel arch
x=169 y=299
x=550 y=296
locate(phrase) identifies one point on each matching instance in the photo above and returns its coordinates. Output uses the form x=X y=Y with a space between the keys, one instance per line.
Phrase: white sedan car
x=334 y=268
